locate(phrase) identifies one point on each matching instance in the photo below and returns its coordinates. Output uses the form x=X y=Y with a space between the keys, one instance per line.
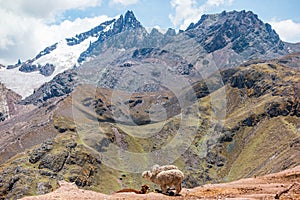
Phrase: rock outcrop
x=8 y=103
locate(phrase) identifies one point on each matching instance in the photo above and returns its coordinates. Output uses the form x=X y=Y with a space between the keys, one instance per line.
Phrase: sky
x=29 y=26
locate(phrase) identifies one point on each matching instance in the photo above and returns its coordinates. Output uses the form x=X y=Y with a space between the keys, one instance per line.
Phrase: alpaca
x=165 y=179
x=143 y=190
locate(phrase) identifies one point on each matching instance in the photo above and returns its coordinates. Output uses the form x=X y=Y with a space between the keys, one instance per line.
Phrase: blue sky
x=28 y=26
x=156 y=12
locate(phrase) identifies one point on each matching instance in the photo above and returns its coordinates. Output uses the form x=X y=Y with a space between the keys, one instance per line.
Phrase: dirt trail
x=283 y=185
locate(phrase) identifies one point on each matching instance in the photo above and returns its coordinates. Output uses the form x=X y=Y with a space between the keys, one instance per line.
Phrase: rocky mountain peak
x=94 y=32
x=154 y=32
x=240 y=29
x=237 y=17
x=170 y=32
x=123 y=23
x=129 y=21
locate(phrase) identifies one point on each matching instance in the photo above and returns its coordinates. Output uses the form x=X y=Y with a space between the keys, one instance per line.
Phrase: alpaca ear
x=154 y=168
x=148 y=174
x=145 y=174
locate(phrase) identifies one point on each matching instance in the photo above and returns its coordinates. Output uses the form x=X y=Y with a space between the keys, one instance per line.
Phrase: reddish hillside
x=282 y=185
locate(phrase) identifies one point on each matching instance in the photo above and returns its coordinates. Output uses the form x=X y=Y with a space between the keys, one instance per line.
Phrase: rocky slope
x=8 y=103
x=61 y=85
x=238 y=123
x=241 y=33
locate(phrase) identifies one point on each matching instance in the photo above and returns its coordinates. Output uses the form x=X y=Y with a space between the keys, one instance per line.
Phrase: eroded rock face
x=252 y=120
x=27 y=68
x=44 y=187
x=47 y=70
x=127 y=24
x=8 y=103
x=61 y=85
x=275 y=109
x=39 y=152
x=40 y=170
x=2 y=116
x=243 y=30
x=54 y=162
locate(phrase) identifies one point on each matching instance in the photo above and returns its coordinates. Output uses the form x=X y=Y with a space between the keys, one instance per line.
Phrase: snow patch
x=109 y=27
x=22 y=83
x=64 y=57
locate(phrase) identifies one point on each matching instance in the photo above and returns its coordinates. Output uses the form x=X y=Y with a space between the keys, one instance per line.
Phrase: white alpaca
x=165 y=179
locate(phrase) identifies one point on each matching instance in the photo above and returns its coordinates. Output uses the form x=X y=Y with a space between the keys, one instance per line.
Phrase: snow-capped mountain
x=25 y=77
x=226 y=39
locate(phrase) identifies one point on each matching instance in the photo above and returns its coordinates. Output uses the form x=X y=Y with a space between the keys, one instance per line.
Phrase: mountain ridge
x=235 y=25
x=225 y=34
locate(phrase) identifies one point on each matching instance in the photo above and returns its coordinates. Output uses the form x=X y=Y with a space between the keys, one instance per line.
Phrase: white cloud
x=185 y=12
x=188 y=11
x=215 y=2
x=287 y=30
x=124 y=2
x=161 y=30
x=25 y=28
x=43 y=9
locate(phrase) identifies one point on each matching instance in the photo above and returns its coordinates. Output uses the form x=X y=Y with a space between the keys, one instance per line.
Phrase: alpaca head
x=155 y=167
x=146 y=174
x=145 y=188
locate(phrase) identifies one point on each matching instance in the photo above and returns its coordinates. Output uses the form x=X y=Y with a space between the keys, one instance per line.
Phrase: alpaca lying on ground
x=167 y=178
x=143 y=190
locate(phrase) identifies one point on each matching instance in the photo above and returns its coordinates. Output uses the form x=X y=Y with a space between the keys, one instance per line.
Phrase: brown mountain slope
x=245 y=127
x=31 y=126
